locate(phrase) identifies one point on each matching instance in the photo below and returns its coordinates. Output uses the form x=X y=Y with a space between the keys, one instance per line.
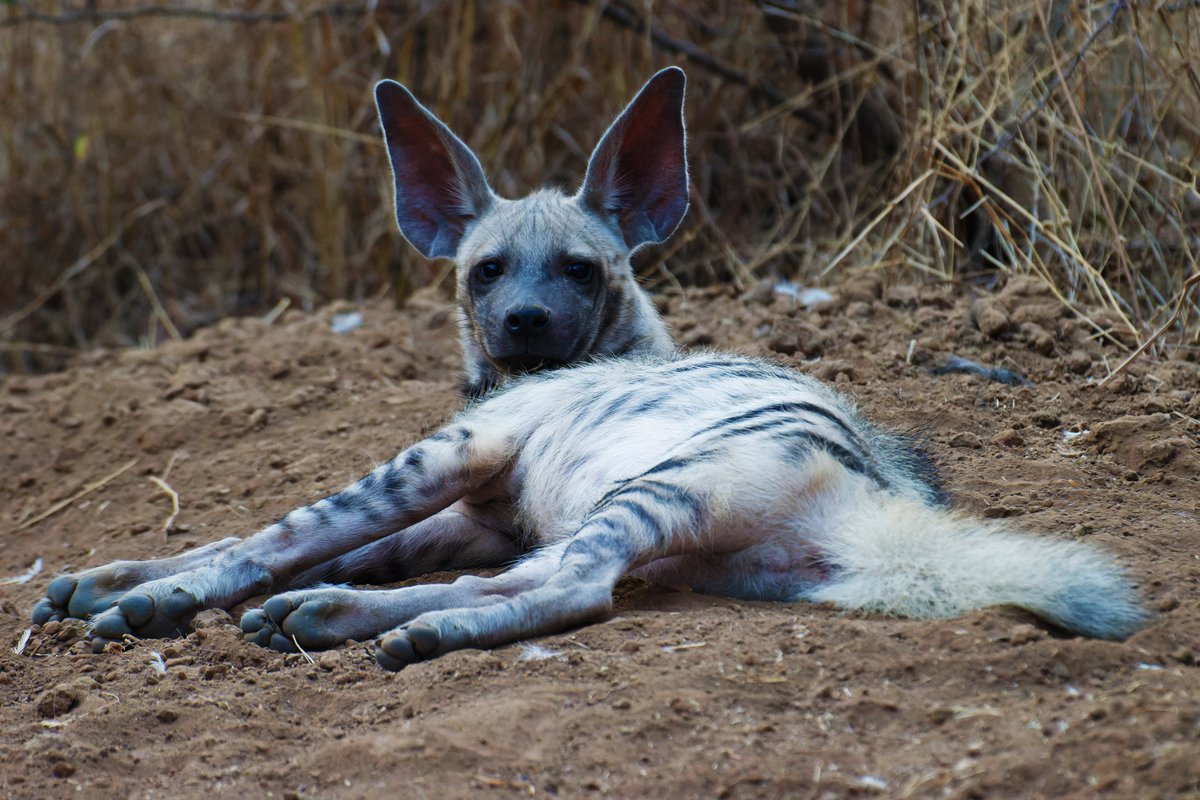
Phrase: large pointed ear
x=638 y=173
x=440 y=186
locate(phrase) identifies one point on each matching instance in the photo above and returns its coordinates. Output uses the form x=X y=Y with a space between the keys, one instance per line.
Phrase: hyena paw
x=415 y=642
x=94 y=591
x=146 y=614
x=87 y=594
x=314 y=620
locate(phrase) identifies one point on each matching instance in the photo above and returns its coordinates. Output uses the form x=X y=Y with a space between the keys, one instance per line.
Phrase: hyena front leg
x=421 y=481
x=642 y=521
x=87 y=593
x=467 y=534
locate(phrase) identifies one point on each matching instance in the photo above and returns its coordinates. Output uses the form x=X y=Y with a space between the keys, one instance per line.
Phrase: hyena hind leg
x=318 y=619
x=628 y=528
x=775 y=571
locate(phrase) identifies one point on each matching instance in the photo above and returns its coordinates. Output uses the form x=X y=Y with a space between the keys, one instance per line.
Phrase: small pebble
x=991 y=318
x=966 y=439
x=1008 y=437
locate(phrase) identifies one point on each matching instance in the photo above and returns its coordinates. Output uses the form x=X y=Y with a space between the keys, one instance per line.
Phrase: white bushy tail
x=893 y=555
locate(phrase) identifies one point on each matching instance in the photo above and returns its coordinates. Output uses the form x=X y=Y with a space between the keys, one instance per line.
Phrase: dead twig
x=89 y=258
x=86 y=490
x=92 y=15
x=671 y=44
x=171 y=493
x=1059 y=79
x=1171 y=320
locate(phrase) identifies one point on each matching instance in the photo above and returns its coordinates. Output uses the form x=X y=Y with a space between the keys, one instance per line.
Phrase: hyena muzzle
x=728 y=474
x=544 y=280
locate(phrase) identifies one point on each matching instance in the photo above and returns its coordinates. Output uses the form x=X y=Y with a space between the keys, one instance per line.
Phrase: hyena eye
x=580 y=271
x=488 y=271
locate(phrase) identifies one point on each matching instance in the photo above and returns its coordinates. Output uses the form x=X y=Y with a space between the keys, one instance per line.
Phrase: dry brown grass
x=164 y=166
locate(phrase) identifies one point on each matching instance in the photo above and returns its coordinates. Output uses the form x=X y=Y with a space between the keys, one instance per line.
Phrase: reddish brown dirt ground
x=678 y=695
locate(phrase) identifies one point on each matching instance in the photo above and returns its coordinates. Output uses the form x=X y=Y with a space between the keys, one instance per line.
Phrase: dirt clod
x=1009 y=437
x=991 y=318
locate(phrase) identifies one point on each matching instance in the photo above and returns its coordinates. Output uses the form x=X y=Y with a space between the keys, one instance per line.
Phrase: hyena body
x=544 y=280
x=727 y=474
x=724 y=473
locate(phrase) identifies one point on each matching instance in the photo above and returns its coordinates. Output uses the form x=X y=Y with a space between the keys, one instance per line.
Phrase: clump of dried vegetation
x=162 y=166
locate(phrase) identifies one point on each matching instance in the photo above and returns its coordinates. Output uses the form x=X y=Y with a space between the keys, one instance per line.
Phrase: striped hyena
x=728 y=474
x=544 y=280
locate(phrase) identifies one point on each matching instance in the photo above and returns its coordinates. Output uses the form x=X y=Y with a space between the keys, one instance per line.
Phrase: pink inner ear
x=639 y=169
x=651 y=168
x=439 y=184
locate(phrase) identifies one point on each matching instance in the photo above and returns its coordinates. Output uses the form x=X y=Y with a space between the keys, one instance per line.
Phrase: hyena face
x=543 y=283
x=544 y=280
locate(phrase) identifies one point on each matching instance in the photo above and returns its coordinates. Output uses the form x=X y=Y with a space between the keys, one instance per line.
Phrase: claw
x=45 y=611
x=388 y=662
x=253 y=621
x=395 y=652
x=277 y=608
x=262 y=637
x=137 y=608
x=283 y=644
x=111 y=626
x=425 y=638
x=179 y=606
x=60 y=589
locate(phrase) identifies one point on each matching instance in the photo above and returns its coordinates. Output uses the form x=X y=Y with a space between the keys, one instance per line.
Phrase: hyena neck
x=631 y=324
x=632 y=327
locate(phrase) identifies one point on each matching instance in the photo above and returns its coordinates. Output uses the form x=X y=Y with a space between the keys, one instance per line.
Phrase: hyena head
x=544 y=280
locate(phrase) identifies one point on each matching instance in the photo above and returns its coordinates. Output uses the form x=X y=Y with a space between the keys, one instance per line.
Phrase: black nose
x=527 y=320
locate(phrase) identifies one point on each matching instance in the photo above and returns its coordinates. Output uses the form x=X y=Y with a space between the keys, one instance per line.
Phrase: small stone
x=901 y=297
x=858 y=310
x=55 y=702
x=1009 y=437
x=1002 y=511
x=1078 y=362
x=966 y=439
x=167 y=715
x=790 y=336
x=684 y=707
x=1036 y=337
x=940 y=715
x=257 y=419
x=1023 y=634
x=214 y=671
x=212 y=618
x=862 y=289
x=1185 y=655
x=622 y=704
x=61 y=698
x=329 y=662
x=1168 y=603
x=62 y=769
x=1046 y=419
x=991 y=318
